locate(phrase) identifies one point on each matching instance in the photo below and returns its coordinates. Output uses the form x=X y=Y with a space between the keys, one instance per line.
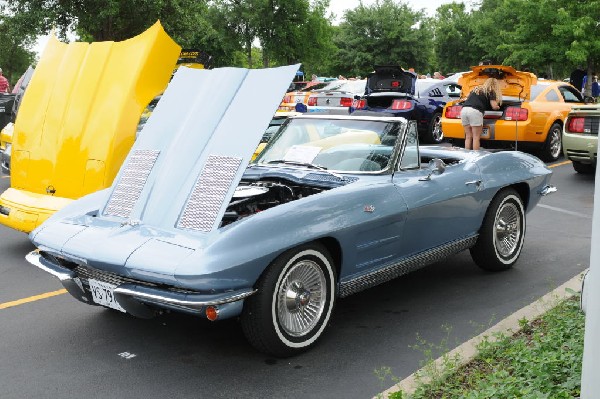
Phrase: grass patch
x=542 y=360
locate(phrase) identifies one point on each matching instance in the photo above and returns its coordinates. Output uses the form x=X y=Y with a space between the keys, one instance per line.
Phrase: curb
x=468 y=350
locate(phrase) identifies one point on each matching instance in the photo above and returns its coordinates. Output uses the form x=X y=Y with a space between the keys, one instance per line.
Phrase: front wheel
x=552 y=147
x=294 y=302
x=502 y=233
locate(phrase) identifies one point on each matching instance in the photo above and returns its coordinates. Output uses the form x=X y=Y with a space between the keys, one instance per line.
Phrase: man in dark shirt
x=576 y=78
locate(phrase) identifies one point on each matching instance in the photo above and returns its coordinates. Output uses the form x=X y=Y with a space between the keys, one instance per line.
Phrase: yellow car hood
x=78 y=117
x=512 y=82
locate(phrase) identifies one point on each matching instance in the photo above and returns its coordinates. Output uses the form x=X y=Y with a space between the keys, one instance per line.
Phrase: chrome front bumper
x=143 y=301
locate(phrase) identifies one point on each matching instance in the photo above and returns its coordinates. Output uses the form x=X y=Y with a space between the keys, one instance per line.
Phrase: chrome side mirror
x=436 y=167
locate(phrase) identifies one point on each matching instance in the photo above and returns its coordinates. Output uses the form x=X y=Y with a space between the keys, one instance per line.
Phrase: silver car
x=337 y=97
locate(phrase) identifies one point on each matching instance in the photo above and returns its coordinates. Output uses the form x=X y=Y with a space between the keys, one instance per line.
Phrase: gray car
x=334 y=205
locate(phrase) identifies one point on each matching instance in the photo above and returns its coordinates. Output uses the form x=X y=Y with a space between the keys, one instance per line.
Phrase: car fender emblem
x=369 y=208
x=131 y=222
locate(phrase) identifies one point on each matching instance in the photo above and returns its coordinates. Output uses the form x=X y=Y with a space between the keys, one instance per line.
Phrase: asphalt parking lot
x=54 y=346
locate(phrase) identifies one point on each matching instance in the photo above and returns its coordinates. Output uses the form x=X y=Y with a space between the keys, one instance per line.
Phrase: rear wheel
x=502 y=233
x=553 y=145
x=294 y=302
x=434 y=130
x=584 y=168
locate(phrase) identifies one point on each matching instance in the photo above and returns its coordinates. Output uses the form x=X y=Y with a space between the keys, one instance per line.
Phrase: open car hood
x=79 y=113
x=512 y=82
x=390 y=78
x=191 y=154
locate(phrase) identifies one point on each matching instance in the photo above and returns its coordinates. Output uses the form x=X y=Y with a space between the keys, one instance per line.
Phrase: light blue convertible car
x=333 y=205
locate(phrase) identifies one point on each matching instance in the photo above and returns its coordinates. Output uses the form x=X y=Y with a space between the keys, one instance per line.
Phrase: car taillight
x=312 y=101
x=287 y=99
x=359 y=104
x=401 y=104
x=453 y=111
x=516 y=114
x=576 y=125
x=345 y=102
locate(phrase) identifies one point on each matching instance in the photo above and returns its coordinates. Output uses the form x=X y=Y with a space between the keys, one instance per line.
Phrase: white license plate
x=103 y=294
x=485 y=133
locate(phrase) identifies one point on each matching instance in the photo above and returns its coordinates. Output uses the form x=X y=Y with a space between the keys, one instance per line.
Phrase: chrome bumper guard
x=134 y=298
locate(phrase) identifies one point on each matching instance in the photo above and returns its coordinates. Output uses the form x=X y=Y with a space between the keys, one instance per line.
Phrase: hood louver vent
x=131 y=183
x=209 y=192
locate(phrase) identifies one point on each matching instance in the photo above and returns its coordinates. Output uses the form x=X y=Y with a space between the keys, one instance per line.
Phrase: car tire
x=584 y=168
x=552 y=148
x=502 y=233
x=435 y=135
x=294 y=302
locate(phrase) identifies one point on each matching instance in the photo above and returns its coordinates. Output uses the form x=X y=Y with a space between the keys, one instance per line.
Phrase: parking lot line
x=559 y=164
x=34 y=298
x=5 y=177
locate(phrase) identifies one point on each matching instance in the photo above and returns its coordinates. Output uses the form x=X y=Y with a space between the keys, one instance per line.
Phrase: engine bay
x=251 y=197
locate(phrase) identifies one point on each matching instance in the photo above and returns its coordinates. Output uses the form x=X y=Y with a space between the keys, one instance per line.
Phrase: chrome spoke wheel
x=437 y=133
x=502 y=232
x=555 y=143
x=301 y=298
x=507 y=230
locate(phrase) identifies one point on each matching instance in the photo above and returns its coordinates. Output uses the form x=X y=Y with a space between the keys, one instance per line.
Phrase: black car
x=395 y=92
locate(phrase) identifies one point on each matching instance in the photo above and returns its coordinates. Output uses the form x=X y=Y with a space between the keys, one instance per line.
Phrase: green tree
x=239 y=18
x=316 y=47
x=579 y=24
x=385 y=33
x=17 y=41
x=99 y=20
x=452 y=37
x=279 y=28
x=530 y=43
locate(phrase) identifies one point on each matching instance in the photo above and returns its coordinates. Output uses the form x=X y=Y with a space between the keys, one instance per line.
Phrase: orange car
x=299 y=94
x=531 y=117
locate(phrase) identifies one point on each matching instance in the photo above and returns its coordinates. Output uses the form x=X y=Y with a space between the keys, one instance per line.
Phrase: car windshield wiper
x=306 y=165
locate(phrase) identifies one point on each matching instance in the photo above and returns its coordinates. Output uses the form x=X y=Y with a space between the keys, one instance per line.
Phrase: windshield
x=344 y=145
x=352 y=86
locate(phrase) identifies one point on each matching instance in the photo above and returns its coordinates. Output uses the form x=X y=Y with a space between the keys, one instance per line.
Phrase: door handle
x=476 y=183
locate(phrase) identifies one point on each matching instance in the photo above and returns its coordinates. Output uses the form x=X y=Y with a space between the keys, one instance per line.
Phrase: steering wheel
x=379 y=158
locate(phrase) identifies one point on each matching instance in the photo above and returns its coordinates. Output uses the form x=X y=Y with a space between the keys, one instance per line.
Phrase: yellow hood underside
x=512 y=82
x=78 y=117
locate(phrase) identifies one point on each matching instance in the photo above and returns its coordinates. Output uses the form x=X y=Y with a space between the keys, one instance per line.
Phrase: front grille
x=86 y=273
x=106 y=277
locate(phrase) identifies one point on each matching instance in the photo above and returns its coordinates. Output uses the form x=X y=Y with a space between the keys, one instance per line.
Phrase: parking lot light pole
x=590 y=376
